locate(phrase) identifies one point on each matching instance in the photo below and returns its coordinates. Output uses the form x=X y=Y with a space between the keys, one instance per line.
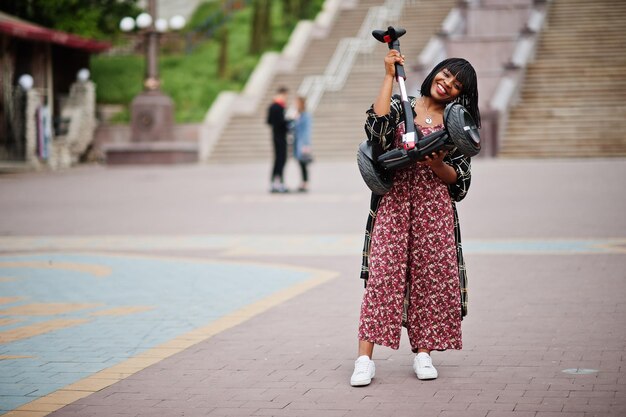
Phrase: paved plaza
x=190 y=290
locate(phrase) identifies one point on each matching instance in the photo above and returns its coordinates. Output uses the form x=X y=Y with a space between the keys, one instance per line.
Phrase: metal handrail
x=342 y=61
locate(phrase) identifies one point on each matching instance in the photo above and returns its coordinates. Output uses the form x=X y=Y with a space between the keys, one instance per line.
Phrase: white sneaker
x=364 y=370
x=423 y=366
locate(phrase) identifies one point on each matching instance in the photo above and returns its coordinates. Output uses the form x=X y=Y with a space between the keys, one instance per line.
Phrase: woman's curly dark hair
x=466 y=75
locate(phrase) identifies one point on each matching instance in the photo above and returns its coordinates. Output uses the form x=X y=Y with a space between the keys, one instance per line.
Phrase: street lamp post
x=152 y=111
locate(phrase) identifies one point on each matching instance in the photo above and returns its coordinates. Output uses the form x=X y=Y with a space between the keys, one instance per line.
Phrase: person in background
x=302 y=141
x=280 y=125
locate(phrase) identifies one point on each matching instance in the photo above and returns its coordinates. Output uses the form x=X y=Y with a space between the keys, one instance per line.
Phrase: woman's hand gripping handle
x=393 y=59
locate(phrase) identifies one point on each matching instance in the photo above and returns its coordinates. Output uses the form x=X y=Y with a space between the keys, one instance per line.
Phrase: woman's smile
x=442 y=90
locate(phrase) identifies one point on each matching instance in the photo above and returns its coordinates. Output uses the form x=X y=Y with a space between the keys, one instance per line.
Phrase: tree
x=90 y=18
x=261 y=26
x=222 y=60
x=294 y=10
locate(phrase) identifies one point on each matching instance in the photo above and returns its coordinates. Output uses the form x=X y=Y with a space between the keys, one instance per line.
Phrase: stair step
x=340 y=116
x=571 y=103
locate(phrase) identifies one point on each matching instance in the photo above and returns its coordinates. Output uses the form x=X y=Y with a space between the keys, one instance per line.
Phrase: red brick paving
x=530 y=317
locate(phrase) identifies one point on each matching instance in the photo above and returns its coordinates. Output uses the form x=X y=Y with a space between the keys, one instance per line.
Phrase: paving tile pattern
x=533 y=314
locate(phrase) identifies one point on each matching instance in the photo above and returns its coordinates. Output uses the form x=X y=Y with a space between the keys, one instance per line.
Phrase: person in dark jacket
x=280 y=125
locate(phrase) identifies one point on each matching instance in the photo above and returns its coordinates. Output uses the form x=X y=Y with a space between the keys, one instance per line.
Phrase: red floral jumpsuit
x=413 y=241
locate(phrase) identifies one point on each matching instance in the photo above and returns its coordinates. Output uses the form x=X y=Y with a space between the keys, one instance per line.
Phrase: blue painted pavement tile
x=328 y=245
x=10 y=402
x=17 y=389
x=182 y=295
x=67 y=378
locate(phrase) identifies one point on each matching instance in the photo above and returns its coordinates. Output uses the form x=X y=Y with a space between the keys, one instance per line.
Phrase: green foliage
x=192 y=83
x=118 y=78
x=261 y=36
x=192 y=80
x=285 y=16
x=90 y=18
x=205 y=11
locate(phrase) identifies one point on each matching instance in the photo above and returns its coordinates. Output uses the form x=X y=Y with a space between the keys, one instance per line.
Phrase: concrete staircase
x=340 y=116
x=573 y=102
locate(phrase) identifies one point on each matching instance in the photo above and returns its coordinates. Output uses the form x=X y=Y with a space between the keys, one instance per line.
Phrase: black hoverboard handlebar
x=415 y=146
x=460 y=132
x=390 y=37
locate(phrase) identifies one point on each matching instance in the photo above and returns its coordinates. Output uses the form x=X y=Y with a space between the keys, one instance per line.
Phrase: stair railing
x=510 y=84
x=340 y=65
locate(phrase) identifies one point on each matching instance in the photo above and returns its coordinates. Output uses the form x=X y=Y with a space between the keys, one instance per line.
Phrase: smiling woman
x=412 y=260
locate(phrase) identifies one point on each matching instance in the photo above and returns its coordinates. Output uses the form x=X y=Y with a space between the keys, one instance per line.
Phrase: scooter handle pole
x=390 y=37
